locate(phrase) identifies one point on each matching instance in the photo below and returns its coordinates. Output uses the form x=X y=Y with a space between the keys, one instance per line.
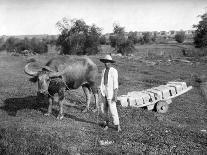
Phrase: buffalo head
x=42 y=77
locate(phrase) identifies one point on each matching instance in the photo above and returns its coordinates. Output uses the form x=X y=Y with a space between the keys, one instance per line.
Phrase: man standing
x=109 y=92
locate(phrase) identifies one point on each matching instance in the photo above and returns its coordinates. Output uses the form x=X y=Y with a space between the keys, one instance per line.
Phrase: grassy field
x=25 y=130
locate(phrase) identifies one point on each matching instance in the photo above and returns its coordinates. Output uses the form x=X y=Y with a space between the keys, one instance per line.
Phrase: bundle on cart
x=157 y=97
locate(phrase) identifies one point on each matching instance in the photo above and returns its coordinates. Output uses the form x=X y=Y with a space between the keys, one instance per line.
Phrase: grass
x=25 y=130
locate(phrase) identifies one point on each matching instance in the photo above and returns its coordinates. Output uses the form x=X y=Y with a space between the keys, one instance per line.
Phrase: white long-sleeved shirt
x=112 y=84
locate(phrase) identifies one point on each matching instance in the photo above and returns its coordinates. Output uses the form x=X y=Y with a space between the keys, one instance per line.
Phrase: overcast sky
x=23 y=17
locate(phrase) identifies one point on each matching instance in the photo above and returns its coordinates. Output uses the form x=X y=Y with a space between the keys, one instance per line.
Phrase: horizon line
x=102 y=33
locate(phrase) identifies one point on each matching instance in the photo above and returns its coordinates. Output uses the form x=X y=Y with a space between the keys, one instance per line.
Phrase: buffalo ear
x=33 y=79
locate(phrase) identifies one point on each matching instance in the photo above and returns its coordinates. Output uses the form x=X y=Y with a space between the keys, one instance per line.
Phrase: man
x=109 y=92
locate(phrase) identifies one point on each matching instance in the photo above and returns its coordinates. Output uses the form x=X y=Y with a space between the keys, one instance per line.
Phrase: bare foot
x=85 y=110
x=118 y=128
x=60 y=117
x=95 y=110
x=47 y=114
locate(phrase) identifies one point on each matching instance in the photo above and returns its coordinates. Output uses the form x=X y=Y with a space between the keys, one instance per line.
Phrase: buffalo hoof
x=60 y=117
x=47 y=114
x=85 y=110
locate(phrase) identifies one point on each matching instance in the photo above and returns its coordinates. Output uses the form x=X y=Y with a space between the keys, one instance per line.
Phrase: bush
x=126 y=47
x=33 y=45
x=180 y=37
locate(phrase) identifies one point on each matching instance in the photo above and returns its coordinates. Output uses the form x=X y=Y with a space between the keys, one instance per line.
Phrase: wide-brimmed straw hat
x=107 y=58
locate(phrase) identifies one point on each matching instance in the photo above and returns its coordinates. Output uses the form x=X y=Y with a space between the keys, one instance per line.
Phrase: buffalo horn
x=55 y=74
x=28 y=71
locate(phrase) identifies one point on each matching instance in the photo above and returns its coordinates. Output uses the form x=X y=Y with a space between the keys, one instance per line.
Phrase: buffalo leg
x=49 y=107
x=96 y=101
x=87 y=93
x=60 y=115
x=95 y=93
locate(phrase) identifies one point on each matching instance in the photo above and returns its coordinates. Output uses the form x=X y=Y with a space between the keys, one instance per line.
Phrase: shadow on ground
x=13 y=105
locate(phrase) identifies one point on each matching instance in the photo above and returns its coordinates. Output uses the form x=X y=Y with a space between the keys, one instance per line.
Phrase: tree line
x=76 y=37
x=33 y=45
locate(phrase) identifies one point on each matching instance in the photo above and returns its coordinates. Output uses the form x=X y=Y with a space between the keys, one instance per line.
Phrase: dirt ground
x=182 y=130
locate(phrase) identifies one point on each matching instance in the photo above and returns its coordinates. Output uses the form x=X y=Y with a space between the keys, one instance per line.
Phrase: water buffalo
x=73 y=71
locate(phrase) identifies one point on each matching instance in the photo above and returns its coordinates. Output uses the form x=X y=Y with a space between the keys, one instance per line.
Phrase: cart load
x=157 y=97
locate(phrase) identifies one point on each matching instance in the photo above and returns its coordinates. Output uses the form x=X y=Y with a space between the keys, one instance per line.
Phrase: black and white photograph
x=103 y=77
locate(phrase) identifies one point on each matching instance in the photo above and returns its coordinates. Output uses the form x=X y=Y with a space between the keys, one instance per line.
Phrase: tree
x=2 y=44
x=200 y=38
x=102 y=40
x=180 y=36
x=118 y=36
x=113 y=41
x=121 y=43
x=77 y=37
x=10 y=44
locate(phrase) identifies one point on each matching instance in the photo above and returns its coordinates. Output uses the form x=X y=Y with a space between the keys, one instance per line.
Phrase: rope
x=97 y=121
x=68 y=89
x=97 y=117
x=71 y=90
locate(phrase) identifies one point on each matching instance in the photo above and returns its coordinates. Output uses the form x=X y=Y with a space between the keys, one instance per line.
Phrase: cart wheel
x=162 y=107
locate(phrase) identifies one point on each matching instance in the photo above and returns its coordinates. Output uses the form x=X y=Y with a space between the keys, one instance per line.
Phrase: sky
x=30 y=17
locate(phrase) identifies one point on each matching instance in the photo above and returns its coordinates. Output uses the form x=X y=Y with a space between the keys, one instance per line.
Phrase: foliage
x=133 y=37
x=120 y=42
x=10 y=44
x=38 y=46
x=126 y=47
x=180 y=36
x=2 y=44
x=154 y=37
x=33 y=45
x=118 y=29
x=103 y=40
x=77 y=37
x=50 y=39
x=146 y=37
x=112 y=39
x=200 y=38
x=117 y=38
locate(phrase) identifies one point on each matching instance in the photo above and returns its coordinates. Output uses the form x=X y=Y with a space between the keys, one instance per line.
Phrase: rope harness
x=67 y=88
